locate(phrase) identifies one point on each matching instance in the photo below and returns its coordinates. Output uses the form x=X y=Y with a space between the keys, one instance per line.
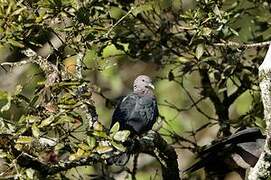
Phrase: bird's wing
x=144 y=114
x=154 y=113
x=135 y=112
x=124 y=107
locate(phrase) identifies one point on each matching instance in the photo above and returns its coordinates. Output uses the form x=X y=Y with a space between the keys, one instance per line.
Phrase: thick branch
x=262 y=169
x=230 y=99
x=220 y=108
x=154 y=144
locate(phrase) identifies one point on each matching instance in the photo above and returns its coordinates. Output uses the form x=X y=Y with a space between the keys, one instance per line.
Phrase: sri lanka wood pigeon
x=138 y=110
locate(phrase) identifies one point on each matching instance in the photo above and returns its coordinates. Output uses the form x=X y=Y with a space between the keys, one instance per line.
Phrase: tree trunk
x=262 y=169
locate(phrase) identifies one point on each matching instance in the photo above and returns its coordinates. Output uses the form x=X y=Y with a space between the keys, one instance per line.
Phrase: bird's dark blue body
x=136 y=113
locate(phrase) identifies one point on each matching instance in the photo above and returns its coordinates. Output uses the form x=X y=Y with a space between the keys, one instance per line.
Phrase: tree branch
x=152 y=143
x=220 y=108
x=236 y=44
x=262 y=169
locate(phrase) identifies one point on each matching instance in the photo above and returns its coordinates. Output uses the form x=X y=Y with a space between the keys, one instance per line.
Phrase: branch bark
x=262 y=169
x=156 y=146
x=220 y=108
x=152 y=143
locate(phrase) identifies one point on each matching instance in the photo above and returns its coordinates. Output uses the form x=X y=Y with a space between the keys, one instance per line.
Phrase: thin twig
x=135 y=166
x=236 y=44
x=16 y=64
x=118 y=22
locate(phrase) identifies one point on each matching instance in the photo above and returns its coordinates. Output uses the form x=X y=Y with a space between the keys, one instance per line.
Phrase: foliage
x=200 y=46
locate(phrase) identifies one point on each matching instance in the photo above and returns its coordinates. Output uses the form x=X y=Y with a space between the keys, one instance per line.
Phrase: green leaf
x=35 y=131
x=103 y=149
x=24 y=140
x=116 y=13
x=15 y=43
x=217 y=12
x=7 y=105
x=46 y=121
x=3 y=154
x=147 y=6
x=115 y=128
x=3 y=95
x=234 y=32
x=48 y=141
x=80 y=152
x=59 y=146
x=21 y=130
x=118 y=146
x=84 y=146
x=121 y=135
x=33 y=101
x=30 y=173
x=98 y=126
x=199 y=50
x=29 y=119
x=91 y=142
x=64 y=119
x=206 y=31
x=100 y=134
x=19 y=89
x=18 y=11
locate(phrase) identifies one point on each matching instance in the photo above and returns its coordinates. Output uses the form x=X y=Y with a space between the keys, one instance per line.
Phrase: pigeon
x=237 y=152
x=138 y=110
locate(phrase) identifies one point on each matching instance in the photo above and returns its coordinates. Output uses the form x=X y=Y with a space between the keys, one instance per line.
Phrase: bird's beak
x=151 y=86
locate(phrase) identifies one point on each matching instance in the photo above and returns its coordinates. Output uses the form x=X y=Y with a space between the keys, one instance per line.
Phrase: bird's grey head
x=143 y=85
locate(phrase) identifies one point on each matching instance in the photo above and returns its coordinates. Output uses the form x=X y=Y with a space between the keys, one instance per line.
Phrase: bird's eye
x=143 y=80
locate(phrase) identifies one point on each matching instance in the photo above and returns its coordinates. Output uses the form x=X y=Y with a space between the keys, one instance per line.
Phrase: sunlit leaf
x=48 y=141
x=103 y=149
x=59 y=146
x=217 y=11
x=24 y=140
x=19 y=89
x=21 y=130
x=118 y=146
x=80 y=152
x=121 y=135
x=46 y=121
x=30 y=173
x=15 y=43
x=234 y=32
x=72 y=157
x=98 y=126
x=115 y=128
x=206 y=31
x=35 y=131
x=64 y=119
x=18 y=146
x=3 y=154
x=100 y=134
x=84 y=147
x=29 y=119
x=91 y=142
x=7 y=105
x=199 y=51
